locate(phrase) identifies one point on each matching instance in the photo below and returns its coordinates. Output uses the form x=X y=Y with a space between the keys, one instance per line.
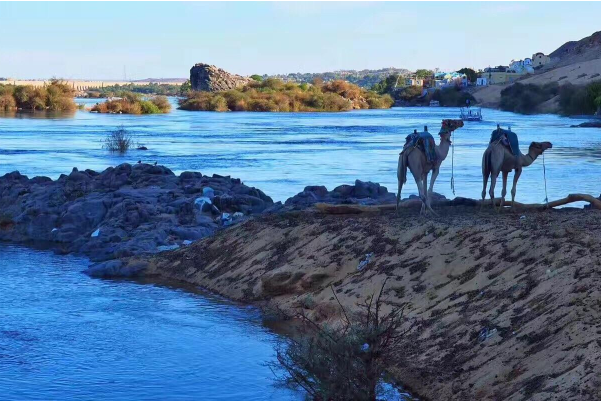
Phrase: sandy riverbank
x=508 y=306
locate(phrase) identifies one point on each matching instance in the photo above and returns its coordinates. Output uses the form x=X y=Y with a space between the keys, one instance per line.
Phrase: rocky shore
x=506 y=305
x=122 y=211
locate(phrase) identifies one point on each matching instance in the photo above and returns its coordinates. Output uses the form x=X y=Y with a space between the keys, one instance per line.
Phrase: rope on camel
x=453 y=162
x=545 y=178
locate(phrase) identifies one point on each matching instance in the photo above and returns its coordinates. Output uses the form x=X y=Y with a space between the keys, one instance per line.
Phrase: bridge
x=80 y=85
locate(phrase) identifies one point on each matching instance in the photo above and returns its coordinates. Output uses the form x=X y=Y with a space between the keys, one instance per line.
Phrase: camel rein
x=545 y=178
x=453 y=162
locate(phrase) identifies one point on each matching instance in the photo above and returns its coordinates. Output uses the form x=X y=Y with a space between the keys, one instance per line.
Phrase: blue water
x=281 y=153
x=69 y=337
x=65 y=336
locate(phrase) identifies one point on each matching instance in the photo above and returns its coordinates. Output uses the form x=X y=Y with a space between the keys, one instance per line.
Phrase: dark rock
x=122 y=211
x=116 y=268
x=142 y=148
x=588 y=124
x=364 y=193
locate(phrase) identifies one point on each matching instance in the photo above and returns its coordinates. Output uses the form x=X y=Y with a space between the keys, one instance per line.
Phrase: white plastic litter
x=96 y=233
x=162 y=248
x=186 y=242
x=365 y=261
x=203 y=203
x=54 y=229
x=238 y=215
x=208 y=192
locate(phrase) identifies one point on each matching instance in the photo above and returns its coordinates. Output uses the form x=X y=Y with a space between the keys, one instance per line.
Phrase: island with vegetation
x=56 y=96
x=275 y=95
x=133 y=103
x=150 y=89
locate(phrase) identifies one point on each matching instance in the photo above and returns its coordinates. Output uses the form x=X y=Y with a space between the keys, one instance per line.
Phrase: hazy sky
x=96 y=40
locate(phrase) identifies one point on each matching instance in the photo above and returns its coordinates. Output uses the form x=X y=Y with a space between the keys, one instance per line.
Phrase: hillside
x=572 y=52
x=575 y=62
x=507 y=307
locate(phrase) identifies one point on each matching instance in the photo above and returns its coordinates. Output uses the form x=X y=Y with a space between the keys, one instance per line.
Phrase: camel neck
x=527 y=159
x=443 y=149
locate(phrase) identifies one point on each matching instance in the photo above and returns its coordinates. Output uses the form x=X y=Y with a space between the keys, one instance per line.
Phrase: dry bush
x=274 y=95
x=345 y=363
x=119 y=140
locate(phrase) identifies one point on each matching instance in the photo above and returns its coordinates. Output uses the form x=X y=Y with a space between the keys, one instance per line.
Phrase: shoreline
x=480 y=285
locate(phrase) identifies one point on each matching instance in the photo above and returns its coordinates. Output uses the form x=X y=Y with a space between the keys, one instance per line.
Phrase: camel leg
x=516 y=177
x=420 y=189
x=484 y=184
x=431 y=189
x=398 y=195
x=504 y=190
x=491 y=191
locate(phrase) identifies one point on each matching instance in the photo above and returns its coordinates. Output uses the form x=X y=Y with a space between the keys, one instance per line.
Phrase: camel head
x=537 y=148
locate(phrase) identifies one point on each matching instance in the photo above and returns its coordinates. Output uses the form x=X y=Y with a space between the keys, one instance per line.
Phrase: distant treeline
x=150 y=89
x=572 y=99
x=133 y=103
x=56 y=96
x=273 y=95
x=452 y=96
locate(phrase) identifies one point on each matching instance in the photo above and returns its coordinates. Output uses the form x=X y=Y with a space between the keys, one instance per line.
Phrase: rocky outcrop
x=122 y=211
x=585 y=49
x=208 y=78
x=362 y=193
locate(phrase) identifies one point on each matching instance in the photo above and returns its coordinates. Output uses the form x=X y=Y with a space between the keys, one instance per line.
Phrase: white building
x=482 y=81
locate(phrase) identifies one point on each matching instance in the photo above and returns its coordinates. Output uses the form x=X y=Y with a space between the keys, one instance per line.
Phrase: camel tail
x=486 y=167
x=401 y=177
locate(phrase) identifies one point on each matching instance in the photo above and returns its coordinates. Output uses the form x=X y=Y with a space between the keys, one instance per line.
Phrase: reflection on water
x=283 y=152
x=65 y=336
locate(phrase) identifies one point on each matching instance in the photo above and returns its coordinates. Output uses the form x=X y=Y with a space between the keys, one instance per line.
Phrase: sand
x=508 y=307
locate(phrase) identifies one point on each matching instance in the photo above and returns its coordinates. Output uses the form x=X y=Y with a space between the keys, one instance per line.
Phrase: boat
x=471 y=114
x=434 y=103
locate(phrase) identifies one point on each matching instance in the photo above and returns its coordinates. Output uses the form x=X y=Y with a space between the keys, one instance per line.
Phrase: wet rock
x=122 y=211
x=363 y=193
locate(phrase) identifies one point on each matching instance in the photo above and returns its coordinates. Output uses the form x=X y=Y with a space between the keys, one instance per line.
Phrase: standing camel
x=498 y=158
x=415 y=158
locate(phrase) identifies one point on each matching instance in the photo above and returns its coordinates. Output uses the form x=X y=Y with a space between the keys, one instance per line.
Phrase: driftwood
x=459 y=201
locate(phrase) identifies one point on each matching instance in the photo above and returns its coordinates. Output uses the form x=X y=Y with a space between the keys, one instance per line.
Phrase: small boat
x=434 y=103
x=471 y=114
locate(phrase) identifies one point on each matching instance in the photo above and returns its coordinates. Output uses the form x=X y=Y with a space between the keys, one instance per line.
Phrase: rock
x=139 y=208
x=208 y=78
x=142 y=148
x=116 y=268
x=588 y=124
x=362 y=193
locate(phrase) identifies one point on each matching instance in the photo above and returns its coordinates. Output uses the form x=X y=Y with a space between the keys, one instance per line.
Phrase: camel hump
x=508 y=138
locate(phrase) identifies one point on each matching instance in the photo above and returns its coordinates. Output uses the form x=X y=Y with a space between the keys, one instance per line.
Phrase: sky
x=98 y=40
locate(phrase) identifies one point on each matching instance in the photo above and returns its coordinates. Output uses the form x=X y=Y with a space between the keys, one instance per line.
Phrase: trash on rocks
x=96 y=233
x=186 y=242
x=54 y=229
x=365 y=261
x=522 y=217
x=486 y=333
x=203 y=204
x=237 y=215
x=208 y=192
x=365 y=347
x=226 y=219
x=162 y=248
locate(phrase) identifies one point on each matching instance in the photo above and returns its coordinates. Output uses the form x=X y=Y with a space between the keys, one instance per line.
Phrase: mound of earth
x=507 y=306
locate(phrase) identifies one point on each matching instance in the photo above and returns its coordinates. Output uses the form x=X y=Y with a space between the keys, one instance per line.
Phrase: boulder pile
x=122 y=211
x=208 y=78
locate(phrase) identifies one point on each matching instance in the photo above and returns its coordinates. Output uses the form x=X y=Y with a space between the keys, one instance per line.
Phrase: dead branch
x=459 y=201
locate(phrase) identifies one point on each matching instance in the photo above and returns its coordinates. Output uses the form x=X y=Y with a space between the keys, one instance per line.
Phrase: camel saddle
x=507 y=138
x=424 y=141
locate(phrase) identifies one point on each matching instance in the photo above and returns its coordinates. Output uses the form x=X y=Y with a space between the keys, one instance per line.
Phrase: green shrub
x=273 y=95
x=119 y=140
x=147 y=107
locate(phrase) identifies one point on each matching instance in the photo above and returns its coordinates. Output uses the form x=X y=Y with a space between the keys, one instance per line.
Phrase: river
x=281 y=153
x=66 y=336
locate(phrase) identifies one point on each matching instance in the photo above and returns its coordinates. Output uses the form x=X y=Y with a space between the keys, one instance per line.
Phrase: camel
x=415 y=159
x=498 y=158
